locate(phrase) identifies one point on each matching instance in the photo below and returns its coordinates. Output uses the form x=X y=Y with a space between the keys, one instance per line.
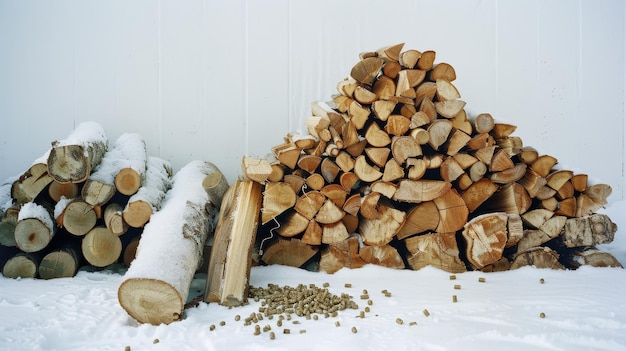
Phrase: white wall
x=216 y=80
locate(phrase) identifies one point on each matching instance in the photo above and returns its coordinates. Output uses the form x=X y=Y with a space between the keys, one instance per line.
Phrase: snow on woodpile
x=33 y=210
x=128 y=151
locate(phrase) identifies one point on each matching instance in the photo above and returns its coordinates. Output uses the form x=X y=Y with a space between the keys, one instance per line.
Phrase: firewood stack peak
x=394 y=172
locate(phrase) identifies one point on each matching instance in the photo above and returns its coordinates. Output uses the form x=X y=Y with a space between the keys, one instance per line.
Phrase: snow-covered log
x=32 y=182
x=147 y=200
x=71 y=160
x=123 y=164
x=35 y=227
x=156 y=286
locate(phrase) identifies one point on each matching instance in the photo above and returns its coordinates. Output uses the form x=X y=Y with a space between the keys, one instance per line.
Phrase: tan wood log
x=335 y=193
x=294 y=181
x=293 y=224
x=316 y=125
x=599 y=193
x=567 y=207
x=378 y=155
x=403 y=147
x=114 y=220
x=364 y=171
x=35 y=227
x=369 y=205
x=425 y=93
x=350 y=222
x=500 y=265
x=550 y=204
x=426 y=60
x=545 y=192
x=502 y=130
x=345 y=162
x=391 y=69
x=147 y=200
x=532 y=182
x=381 y=230
x=565 y=191
x=96 y=192
x=382 y=109
x=22 y=265
x=231 y=255
x=461 y=123
x=72 y=159
x=387 y=189
x=416 y=191
x=535 y=218
x=509 y=175
x=501 y=161
x=376 y=136
x=579 y=181
x=416 y=168
x=324 y=110
x=397 y=125
x=434 y=160
x=58 y=190
x=450 y=170
x=288 y=156
x=101 y=247
x=439 y=250
x=446 y=91
x=543 y=165
x=420 y=218
x=302 y=141
x=539 y=257
x=277 y=198
x=359 y=115
x=333 y=232
x=393 y=171
x=590 y=230
x=528 y=155
x=366 y=70
x=515 y=230
x=449 y=108
x=348 y=180
x=256 y=169
x=346 y=86
x=364 y=95
x=391 y=52
x=329 y=213
x=8 y=221
x=78 y=217
x=329 y=170
x=511 y=198
x=385 y=255
x=420 y=134
x=341 y=254
x=408 y=79
x=309 y=204
x=480 y=141
x=457 y=140
x=408 y=58
x=483 y=123
x=293 y=252
x=129 y=250
x=485 y=154
x=453 y=212
x=385 y=86
x=584 y=205
x=312 y=234
x=485 y=237
x=463 y=182
x=557 y=179
x=32 y=182
x=596 y=258
x=478 y=193
x=352 y=205
x=176 y=235
x=477 y=171
x=512 y=144
x=439 y=130
x=62 y=262
x=443 y=71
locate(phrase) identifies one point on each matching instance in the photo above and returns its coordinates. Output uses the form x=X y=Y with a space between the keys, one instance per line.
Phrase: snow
x=85 y=133
x=128 y=151
x=33 y=210
x=157 y=181
x=584 y=310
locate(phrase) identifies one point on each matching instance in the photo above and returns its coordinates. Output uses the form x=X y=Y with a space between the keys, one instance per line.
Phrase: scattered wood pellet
x=272 y=335
x=347 y=285
x=413 y=323
x=362 y=314
x=212 y=327
x=541 y=281
x=354 y=330
x=482 y=280
x=127 y=348
x=155 y=341
x=365 y=297
x=286 y=331
x=370 y=302
x=326 y=285
x=302 y=331
x=426 y=313
x=453 y=277
x=222 y=323
x=542 y=315
x=367 y=309
x=454 y=298
x=237 y=317
x=337 y=324
x=457 y=286
x=399 y=321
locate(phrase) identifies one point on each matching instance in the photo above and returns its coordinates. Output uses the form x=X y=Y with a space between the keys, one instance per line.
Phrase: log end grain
x=150 y=301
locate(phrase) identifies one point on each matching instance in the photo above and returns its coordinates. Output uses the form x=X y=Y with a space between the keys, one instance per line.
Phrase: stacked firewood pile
x=393 y=172
x=84 y=202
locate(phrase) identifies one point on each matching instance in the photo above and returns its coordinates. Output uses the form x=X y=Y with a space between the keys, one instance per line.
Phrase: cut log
x=510 y=198
x=22 y=265
x=32 y=182
x=416 y=191
x=101 y=247
x=235 y=234
x=58 y=190
x=421 y=218
x=596 y=258
x=381 y=230
x=173 y=240
x=147 y=200
x=478 y=193
x=7 y=227
x=485 y=238
x=62 y=262
x=114 y=220
x=539 y=257
x=216 y=185
x=132 y=163
x=72 y=159
x=256 y=169
x=35 y=227
x=341 y=254
x=366 y=70
x=453 y=212
x=78 y=217
x=590 y=230
x=293 y=252
x=364 y=171
x=483 y=123
x=334 y=232
x=384 y=255
x=277 y=198
x=439 y=250
x=293 y=224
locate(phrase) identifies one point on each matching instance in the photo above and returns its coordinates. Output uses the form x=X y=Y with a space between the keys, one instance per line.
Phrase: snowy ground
x=584 y=310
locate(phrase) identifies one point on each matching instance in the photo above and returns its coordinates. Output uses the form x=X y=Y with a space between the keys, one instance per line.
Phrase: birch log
x=156 y=286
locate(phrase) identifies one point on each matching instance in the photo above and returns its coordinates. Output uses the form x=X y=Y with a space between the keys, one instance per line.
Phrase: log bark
x=72 y=159
x=231 y=256
x=590 y=230
x=147 y=200
x=173 y=240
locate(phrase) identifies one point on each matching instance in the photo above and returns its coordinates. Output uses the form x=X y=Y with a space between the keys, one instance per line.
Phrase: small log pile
x=84 y=202
x=394 y=172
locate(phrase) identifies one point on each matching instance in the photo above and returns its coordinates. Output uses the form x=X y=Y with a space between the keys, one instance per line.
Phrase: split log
x=72 y=159
x=384 y=255
x=57 y=190
x=277 y=198
x=421 y=218
x=256 y=169
x=590 y=230
x=381 y=230
x=32 y=182
x=114 y=220
x=147 y=200
x=439 y=250
x=35 y=227
x=231 y=255
x=538 y=257
x=341 y=254
x=485 y=238
x=292 y=252
x=596 y=258
x=173 y=240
